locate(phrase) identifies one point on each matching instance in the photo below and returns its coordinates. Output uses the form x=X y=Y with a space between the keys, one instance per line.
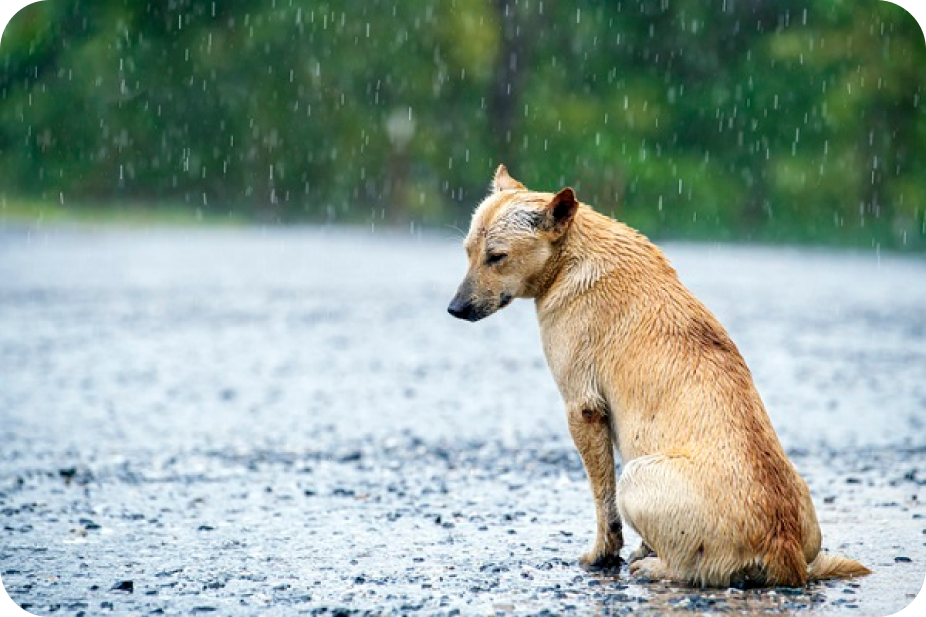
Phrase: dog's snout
x=460 y=308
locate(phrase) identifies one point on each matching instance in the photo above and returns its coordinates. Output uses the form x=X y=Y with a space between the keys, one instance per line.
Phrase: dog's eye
x=496 y=258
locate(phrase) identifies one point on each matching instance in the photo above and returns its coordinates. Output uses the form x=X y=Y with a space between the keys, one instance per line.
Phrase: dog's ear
x=560 y=212
x=503 y=182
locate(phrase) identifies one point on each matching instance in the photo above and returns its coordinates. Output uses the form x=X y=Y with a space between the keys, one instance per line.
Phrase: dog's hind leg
x=658 y=496
x=591 y=431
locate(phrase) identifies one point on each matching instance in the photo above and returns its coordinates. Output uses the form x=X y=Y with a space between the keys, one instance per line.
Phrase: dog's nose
x=461 y=309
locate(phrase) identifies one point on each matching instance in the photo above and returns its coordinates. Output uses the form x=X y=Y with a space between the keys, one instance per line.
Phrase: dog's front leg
x=591 y=431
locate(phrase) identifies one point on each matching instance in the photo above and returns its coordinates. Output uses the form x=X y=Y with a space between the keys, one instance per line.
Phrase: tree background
x=771 y=120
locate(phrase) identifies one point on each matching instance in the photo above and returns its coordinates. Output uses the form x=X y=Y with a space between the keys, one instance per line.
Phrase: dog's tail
x=835 y=566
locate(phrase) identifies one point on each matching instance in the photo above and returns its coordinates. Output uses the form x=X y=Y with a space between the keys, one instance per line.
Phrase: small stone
x=127 y=586
x=351 y=457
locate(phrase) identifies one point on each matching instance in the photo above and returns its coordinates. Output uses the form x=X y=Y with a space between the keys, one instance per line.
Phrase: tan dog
x=644 y=367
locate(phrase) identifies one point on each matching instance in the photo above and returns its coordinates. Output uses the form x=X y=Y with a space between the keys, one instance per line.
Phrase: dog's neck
x=596 y=248
x=540 y=285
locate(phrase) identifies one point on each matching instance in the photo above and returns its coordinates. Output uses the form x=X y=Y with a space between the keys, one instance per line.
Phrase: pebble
x=127 y=586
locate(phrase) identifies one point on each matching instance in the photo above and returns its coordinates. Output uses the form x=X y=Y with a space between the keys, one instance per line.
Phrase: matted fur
x=646 y=369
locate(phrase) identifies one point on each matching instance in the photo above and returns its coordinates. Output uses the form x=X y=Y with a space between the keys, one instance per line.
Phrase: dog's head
x=511 y=242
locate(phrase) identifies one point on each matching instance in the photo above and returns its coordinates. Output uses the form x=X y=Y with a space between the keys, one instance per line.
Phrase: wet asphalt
x=286 y=421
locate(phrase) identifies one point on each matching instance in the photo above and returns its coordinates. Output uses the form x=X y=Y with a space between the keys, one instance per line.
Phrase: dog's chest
x=570 y=360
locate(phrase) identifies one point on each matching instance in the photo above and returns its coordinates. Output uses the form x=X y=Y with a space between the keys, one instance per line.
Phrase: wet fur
x=646 y=369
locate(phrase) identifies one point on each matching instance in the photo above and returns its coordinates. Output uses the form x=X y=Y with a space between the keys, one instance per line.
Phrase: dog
x=644 y=368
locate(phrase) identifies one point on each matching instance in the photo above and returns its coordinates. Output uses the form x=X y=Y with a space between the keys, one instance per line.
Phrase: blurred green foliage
x=773 y=120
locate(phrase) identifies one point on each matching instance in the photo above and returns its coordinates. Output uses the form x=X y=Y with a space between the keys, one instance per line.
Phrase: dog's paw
x=651 y=568
x=642 y=552
x=601 y=560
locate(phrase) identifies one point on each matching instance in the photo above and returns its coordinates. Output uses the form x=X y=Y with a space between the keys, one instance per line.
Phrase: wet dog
x=645 y=368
